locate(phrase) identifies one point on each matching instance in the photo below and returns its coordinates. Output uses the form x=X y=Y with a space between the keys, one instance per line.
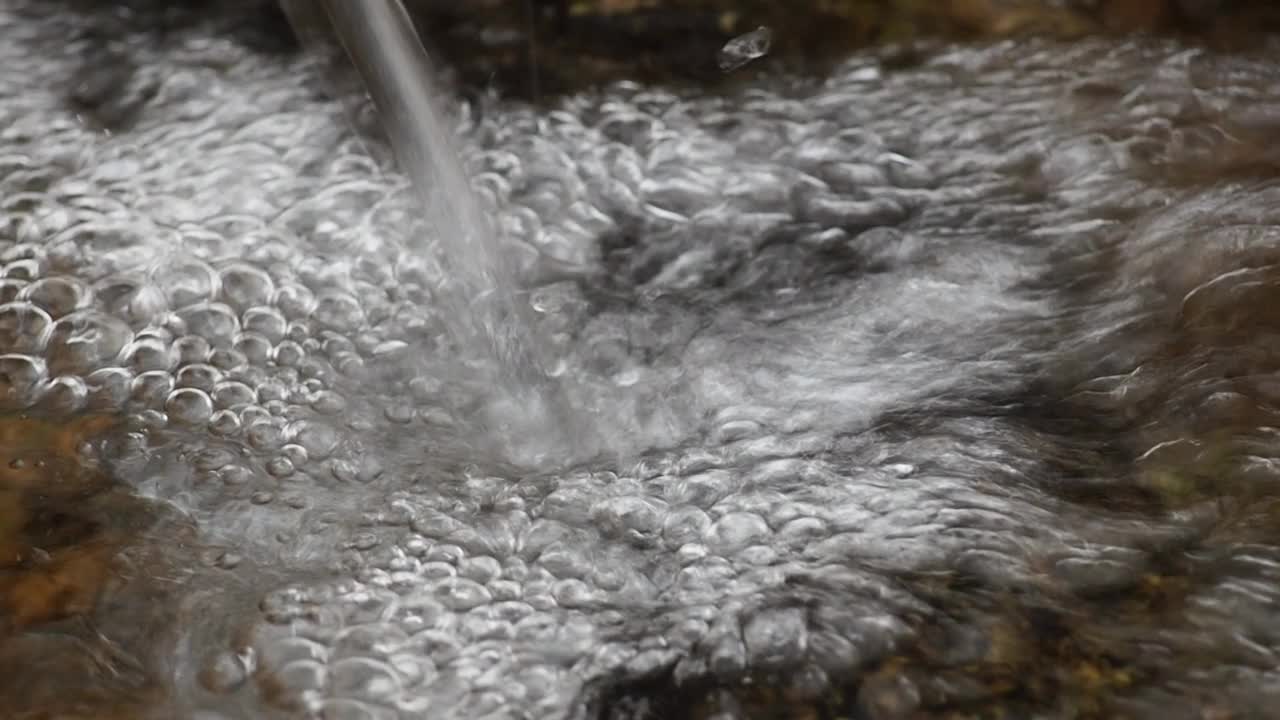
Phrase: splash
x=477 y=289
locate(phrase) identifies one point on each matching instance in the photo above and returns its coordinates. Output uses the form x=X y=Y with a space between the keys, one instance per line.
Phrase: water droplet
x=745 y=48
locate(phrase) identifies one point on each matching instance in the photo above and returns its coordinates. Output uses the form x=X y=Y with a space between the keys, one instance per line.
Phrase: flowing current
x=475 y=282
x=926 y=390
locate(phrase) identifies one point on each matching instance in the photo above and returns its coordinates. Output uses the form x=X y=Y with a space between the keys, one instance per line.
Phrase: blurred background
x=544 y=47
x=571 y=43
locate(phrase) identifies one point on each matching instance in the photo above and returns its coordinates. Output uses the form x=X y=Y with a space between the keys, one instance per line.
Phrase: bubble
x=255 y=348
x=736 y=530
x=228 y=560
x=347 y=709
x=225 y=673
x=462 y=594
x=227 y=359
x=186 y=282
x=225 y=423
x=482 y=569
x=130 y=298
x=28 y=270
x=335 y=345
x=189 y=406
x=735 y=430
x=148 y=353
x=199 y=375
x=152 y=420
x=108 y=388
x=684 y=525
x=57 y=295
x=328 y=402
x=298 y=676
x=298 y=331
x=236 y=475
x=265 y=321
x=230 y=394
x=350 y=365
x=279 y=466
x=215 y=322
x=288 y=354
x=265 y=435
x=254 y=414
x=339 y=311
x=23 y=327
x=64 y=395
x=363 y=678
x=84 y=340
x=295 y=301
x=572 y=593
x=151 y=388
x=273 y=389
x=400 y=413
x=212 y=459
x=296 y=454
x=317 y=438
x=776 y=638
x=191 y=349
x=244 y=285
x=10 y=288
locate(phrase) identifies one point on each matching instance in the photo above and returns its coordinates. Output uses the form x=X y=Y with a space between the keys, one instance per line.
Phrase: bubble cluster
x=859 y=357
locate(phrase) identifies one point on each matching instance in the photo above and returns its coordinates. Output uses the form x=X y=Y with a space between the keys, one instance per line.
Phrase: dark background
x=543 y=47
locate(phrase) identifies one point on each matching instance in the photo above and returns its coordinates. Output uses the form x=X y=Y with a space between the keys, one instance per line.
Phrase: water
x=745 y=48
x=477 y=290
x=970 y=363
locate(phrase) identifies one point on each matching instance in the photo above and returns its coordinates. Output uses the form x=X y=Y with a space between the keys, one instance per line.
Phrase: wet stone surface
x=931 y=392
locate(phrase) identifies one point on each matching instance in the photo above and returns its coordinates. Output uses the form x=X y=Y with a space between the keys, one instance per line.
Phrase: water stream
x=478 y=296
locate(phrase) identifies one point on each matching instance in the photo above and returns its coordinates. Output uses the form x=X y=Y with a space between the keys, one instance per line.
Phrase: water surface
x=950 y=388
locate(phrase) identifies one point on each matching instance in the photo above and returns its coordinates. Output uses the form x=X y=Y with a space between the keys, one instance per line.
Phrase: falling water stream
x=480 y=299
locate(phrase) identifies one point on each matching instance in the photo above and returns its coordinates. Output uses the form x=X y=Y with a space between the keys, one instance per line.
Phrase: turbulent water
x=476 y=291
x=926 y=391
